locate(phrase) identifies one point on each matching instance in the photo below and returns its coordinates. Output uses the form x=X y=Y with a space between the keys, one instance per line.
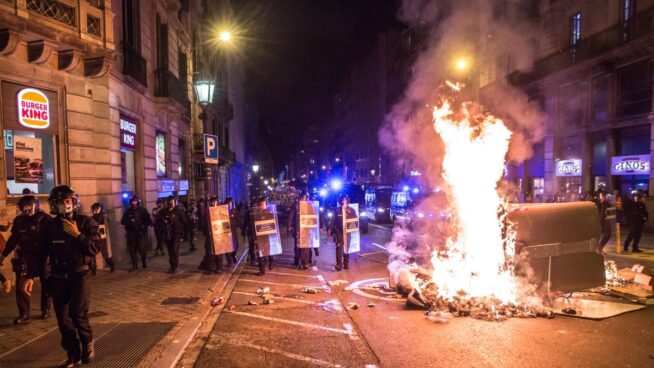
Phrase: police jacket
x=602 y=208
x=69 y=256
x=248 y=225
x=293 y=220
x=173 y=222
x=637 y=212
x=136 y=220
x=24 y=234
x=336 y=225
x=234 y=223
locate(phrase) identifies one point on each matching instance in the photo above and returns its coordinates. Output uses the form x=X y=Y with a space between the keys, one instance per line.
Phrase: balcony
x=619 y=34
x=135 y=66
x=167 y=85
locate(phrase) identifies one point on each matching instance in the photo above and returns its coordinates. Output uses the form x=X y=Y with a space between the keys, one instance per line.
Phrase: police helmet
x=261 y=199
x=59 y=194
x=303 y=194
x=343 y=197
x=96 y=206
x=229 y=200
x=135 y=198
x=28 y=200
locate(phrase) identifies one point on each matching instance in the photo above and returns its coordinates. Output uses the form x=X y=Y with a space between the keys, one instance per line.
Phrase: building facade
x=97 y=95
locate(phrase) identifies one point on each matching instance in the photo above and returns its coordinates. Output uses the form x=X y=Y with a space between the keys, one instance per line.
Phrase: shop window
x=575 y=28
x=30 y=162
x=635 y=89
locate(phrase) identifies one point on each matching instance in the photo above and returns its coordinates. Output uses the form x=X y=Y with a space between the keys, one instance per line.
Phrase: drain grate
x=181 y=300
x=116 y=346
x=98 y=314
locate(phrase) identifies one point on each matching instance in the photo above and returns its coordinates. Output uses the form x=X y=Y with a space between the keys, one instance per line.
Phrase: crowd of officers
x=613 y=209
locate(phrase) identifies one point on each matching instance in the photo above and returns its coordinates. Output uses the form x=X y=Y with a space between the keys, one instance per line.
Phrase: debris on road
x=332 y=306
x=371 y=304
x=439 y=316
x=338 y=282
x=570 y=311
x=353 y=306
x=231 y=307
x=268 y=301
x=262 y=291
x=311 y=290
x=219 y=300
x=252 y=302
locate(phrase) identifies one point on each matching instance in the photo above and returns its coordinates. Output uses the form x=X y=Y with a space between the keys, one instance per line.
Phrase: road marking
x=380 y=246
x=290 y=274
x=380 y=227
x=371 y=253
x=353 y=335
x=294 y=323
x=276 y=297
x=279 y=283
x=355 y=287
x=324 y=284
x=245 y=344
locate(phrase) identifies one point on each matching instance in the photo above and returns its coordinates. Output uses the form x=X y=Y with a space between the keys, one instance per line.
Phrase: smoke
x=493 y=36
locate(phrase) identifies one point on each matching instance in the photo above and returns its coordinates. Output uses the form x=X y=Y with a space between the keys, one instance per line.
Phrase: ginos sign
x=630 y=165
x=33 y=109
x=568 y=168
x=127 y=134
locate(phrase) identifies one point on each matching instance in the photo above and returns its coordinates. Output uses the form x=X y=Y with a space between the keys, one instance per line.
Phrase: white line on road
x=278 y=283
x=380 y=226
x=276 y=297
x=290 y=274
x=245 y=344
x=371 y=253
x=295 y=323
x=324 y=284
x=352 y=335
x=380 y=246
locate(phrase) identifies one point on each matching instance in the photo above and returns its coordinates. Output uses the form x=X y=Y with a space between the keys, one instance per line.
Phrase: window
x=132 y=24
x=628 y=10
x=635 y=89
x=162 y=45
x=182 y=158
x=572 y=105
x=575 y=28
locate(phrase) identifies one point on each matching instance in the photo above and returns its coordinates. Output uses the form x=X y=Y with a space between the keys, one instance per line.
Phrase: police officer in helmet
x=336 y=230
x=136 y=221
x=173 y=221
x=24 y=233
x=70 y=241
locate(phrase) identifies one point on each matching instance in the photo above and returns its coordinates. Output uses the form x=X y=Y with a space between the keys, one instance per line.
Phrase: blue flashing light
x=405 y=188
x=125 y=195
x=323 y=193
x=416 y=190
x=336 y=184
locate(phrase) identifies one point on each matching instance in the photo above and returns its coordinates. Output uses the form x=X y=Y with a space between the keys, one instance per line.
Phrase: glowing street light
x=461 y=64
x=255 y=168
x=225 y=36
x=265 y=182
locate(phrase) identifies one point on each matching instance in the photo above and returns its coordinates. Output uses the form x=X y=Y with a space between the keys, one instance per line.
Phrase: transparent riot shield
x=221 y=231
x=309 y=224
x=352 y=241
x=266 y=229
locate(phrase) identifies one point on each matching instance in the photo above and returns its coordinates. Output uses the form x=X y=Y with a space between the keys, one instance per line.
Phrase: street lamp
x=255 y=168
x=204 y=91
x=225 y=36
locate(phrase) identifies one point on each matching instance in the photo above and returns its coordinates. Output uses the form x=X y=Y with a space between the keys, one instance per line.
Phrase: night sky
x=297 y=52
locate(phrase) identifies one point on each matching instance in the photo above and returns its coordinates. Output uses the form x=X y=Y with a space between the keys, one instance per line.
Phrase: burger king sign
x=33 y=109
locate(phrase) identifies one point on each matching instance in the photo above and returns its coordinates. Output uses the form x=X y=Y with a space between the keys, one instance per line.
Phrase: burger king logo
x=33 y=109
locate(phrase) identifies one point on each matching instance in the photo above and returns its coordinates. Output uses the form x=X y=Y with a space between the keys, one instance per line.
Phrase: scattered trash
x=311 y=290
x=371 y=304
x=268 y=301
x=262 y=291
x=252 y=302
x=231 y=307
x=338 y=282
x=352 y=306
x=570 y=311
x=219 y=300
x=332 y=306
x=348 y=288
x=439 y=316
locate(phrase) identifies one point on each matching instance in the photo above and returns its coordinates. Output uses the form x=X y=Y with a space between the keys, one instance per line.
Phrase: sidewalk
x=628 y=259
x=131 y=300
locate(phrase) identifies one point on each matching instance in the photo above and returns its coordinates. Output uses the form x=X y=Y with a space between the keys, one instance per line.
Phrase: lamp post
x=204 y=90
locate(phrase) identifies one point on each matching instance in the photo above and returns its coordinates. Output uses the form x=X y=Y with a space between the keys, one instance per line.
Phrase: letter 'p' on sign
x=210 y=149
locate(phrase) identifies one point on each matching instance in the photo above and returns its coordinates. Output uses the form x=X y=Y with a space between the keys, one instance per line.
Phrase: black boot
x=22 y=320
x=112 y=265
x=88 y=352
x=71 y=363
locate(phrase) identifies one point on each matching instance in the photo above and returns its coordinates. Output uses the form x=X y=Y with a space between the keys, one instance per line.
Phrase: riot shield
x=221 y=231
x=352 y=237
x=266 y=230
x=309 y=224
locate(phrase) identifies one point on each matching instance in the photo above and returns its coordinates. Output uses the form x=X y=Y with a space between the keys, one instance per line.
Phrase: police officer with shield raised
x=344 y=228
x=24 y=233
x=70 y=241
x=303 y=226
x=136 y=221
x=265 y=229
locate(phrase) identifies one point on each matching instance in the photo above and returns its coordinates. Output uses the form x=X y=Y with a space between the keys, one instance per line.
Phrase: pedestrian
x=158 y=227
x=192 y=219
x=605 y=223
x=69 y=241
x=173 y=221
x=339 y=220
x=636 y=217
x=100 y=216
x=301 y=254
x=136 y=221
x=234 y=224
x=23 y=238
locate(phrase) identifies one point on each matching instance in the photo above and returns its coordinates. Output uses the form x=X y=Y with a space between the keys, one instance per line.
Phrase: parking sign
x=210 y=149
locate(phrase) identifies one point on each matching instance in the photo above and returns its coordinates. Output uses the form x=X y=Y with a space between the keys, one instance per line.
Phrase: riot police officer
x=336 y=230
x=23 y=239
x=70 y=241
x=100 y=216
x=173 y=222
x=234 y=223
x=158 y=228
x=301 y=255
x=248 y=229
x=136 y=221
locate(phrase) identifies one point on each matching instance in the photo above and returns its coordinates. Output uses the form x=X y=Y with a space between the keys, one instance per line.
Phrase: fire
x=474 y=260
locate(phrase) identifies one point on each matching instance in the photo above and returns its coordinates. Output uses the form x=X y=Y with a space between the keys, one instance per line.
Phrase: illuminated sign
x=160 y=153
x=33 y=109
x=568 y=167
x=630 y=165
x=127 y=135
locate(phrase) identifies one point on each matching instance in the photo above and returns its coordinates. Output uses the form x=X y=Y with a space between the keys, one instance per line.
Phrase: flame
x=474 y=260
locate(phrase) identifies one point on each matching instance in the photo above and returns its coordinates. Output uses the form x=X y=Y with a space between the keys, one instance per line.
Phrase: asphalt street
x=302 y=330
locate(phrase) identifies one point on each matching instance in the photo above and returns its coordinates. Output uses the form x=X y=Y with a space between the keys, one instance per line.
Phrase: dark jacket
x=23 y=238
x=336 y=224
x=173 y=222
x=602 y=208
x=637 y=212
x=136 y=220
x=293 y=220
x=68 y=256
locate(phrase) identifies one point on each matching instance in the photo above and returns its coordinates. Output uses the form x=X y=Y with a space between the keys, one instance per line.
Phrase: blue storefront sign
x=630 y=165
x=568 y=167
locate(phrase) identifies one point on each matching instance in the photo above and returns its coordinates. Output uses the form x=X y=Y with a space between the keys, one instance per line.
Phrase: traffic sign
x=210 y=149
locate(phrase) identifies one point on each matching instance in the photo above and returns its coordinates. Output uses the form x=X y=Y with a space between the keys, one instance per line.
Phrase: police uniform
x=248 y=229
x=234 y=223
x=70 y=259
x=136 y=221
x=24 y=233
x=301 y=255
x=173 y=221
x=336 y=230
